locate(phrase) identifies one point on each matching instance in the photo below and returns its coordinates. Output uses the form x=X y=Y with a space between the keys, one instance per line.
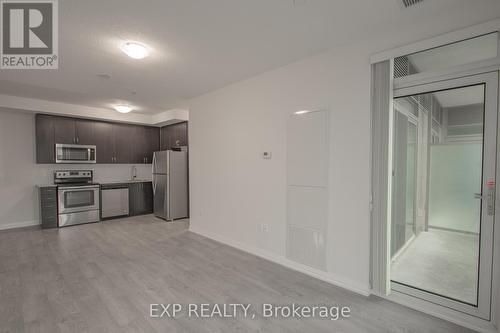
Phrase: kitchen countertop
x=125 y=182
x=105 y=183
x=46 y=185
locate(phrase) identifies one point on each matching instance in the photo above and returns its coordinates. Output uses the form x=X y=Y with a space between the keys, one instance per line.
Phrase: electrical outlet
x=264 y=227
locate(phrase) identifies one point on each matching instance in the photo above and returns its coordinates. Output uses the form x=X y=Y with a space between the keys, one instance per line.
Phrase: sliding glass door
x=442 y=185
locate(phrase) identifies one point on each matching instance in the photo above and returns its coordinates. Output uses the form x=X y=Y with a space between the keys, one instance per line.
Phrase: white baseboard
x=281 y=260
x=21 y=224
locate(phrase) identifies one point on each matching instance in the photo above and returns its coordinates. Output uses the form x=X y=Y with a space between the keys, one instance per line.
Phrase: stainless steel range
x=78 y=197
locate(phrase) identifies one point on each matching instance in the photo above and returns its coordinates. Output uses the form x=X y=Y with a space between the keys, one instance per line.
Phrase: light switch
x=266 y=155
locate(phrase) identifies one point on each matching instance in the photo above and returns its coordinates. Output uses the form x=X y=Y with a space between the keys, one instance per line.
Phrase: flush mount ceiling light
x=122 y=108
x=135 y=50
x=302 y=112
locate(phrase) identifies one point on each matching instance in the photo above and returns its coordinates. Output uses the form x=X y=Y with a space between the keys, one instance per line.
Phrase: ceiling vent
x=409 y=3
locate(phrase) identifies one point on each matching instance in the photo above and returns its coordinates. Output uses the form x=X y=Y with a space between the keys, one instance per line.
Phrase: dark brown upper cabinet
x=123 y=141
x=146 y=140
x=85 y=132
x=105 y=151
x=126 y=144
x=74 y=131
x=64 y=130
x=45 y=144
x=115 y=142
x=152 y=140
x=138 y=145
x=175 y=135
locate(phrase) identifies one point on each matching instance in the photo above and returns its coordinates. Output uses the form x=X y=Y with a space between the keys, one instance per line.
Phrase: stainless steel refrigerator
x=170 y=184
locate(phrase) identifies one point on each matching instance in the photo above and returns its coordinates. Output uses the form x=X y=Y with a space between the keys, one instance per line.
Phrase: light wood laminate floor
x=103 y=277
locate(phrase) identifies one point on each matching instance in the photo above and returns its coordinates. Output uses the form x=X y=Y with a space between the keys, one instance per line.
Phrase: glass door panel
x=79 y=198
x=404 y=180
x=445 y=255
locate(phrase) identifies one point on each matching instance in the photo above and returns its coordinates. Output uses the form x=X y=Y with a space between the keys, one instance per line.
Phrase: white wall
x=234 y=190
x=19 y=174
x=497 y=317
x=496 y=254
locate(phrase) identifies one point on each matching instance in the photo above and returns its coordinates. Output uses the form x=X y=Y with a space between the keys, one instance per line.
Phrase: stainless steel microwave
x=66 y=153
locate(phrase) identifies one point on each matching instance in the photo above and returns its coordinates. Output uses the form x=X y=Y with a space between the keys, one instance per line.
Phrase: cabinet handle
x=77 y=140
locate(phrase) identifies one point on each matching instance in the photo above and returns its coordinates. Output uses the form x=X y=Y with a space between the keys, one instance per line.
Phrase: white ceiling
x=199 y=46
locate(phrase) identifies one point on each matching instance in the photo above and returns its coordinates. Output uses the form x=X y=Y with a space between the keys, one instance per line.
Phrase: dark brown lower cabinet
x=48 y=207
x=140 y=198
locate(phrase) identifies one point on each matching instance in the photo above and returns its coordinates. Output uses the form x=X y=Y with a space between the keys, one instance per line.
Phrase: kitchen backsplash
x=44 y=173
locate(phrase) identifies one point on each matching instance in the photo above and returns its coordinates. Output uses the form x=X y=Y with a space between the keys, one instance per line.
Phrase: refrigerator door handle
x=169 y=212
x=153 y=164
x=154 y=184
x=168 y=162
x=153 y=173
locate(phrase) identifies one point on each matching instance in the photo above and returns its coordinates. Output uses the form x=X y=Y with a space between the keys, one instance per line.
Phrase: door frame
x=490 y=81
x=380 y=263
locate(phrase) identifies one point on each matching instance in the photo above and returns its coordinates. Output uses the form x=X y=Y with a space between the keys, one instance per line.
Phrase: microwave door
x=78 y=154
x=75 y=153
